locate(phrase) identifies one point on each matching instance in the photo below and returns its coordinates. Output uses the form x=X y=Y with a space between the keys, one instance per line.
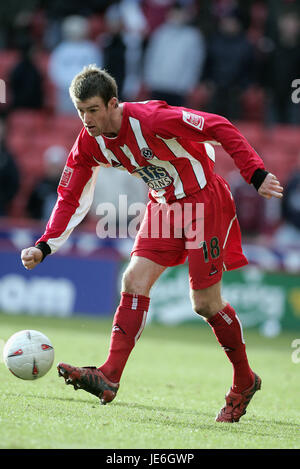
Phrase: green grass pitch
x=172 y=387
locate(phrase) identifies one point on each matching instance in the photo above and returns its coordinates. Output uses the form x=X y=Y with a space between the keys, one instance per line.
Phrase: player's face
x=95 y=116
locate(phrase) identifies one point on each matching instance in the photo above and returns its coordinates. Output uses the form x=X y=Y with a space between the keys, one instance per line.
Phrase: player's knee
x=204 y=309
x=205 y=306
x=134 y=284
x=207 y=302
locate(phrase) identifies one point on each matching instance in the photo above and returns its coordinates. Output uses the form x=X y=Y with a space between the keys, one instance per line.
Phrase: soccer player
x=171 y=149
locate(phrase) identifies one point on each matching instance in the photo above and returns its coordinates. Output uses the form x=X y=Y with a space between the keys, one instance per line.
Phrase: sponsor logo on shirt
x=66 y=176
x=155 y=177
x=193 y=119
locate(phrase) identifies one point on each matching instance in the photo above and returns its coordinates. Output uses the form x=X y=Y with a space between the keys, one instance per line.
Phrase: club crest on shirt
x=155 y=177
x=66 y=177
x=193 y=119
x=147 y=153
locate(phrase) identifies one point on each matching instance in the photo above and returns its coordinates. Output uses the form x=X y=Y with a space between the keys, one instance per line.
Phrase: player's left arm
x=206 y=127
x=267 y=187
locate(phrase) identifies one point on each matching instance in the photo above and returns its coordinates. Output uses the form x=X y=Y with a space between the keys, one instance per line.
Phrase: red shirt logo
x=193 y=119
x=66 y=177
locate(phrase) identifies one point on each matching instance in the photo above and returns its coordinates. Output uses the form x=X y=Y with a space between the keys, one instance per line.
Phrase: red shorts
x=202 y=227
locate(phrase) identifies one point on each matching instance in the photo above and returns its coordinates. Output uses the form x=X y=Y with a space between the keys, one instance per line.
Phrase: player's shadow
x=171 y=411
x=158 y=408
x=53 y=398
x=239 y=427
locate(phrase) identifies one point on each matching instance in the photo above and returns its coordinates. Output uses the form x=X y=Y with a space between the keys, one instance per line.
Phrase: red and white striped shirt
x=170 y=148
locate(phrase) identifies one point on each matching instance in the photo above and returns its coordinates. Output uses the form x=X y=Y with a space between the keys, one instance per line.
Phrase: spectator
x=9 y=174
x=69 y=57
x=174 y=58
x=114 y=47
x=281 y=68
x=26 y=82
x=156 y=12
x=229 y=67
x=136 y=29
x=122 y=46
x=44 y=195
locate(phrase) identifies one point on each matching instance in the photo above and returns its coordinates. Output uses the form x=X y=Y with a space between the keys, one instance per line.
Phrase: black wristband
x=45 y=248
x=258 y=177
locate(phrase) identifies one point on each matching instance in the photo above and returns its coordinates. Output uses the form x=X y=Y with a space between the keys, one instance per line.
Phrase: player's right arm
x=31 y=257
x=75 y=196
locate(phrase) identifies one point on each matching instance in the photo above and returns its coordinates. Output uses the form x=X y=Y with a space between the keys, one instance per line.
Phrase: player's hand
x=271 y=187
x=31 y=257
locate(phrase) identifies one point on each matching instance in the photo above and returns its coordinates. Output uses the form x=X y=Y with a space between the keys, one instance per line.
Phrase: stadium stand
x=29 y=134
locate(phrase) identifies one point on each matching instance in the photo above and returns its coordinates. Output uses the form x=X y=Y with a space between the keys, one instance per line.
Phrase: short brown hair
x=93 y=81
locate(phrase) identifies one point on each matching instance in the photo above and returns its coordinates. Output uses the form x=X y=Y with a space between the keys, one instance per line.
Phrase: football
x=28 y=354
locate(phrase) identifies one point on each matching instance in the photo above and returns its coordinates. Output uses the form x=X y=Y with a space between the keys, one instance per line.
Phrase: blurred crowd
x=216 y=54
x=234 y=58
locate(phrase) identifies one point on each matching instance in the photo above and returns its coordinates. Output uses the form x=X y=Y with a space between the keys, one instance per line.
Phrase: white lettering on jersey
x=155 y=177
x=193 y=119
x=170 y=168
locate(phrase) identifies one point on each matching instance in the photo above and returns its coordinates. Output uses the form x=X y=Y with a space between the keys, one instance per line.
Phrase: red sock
x=228 y=331
x=128 y=324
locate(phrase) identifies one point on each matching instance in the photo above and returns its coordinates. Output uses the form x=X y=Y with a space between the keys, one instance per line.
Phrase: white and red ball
x=28 y=354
